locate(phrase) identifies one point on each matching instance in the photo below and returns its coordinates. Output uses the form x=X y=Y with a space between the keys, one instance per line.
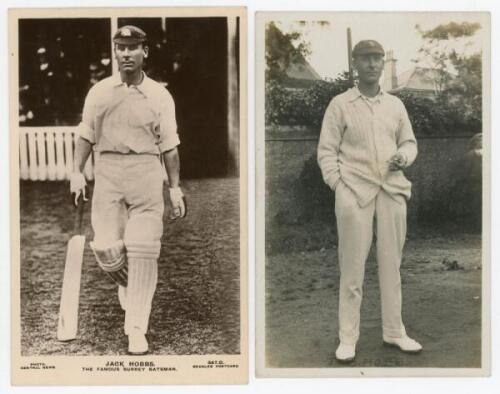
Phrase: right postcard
x=373 y=194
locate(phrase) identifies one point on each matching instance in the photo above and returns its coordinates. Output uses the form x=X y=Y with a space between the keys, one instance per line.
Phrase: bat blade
x=68 y=311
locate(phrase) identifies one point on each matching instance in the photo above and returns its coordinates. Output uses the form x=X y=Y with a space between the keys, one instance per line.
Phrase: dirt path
x=196 y=306
x=441 y=308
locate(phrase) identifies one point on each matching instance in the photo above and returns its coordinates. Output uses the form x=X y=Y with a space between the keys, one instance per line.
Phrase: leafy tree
x=465 y=91
x=443 y=46
x=450 y=30
x=447 y=49
x=281 y=51
x=294 y=102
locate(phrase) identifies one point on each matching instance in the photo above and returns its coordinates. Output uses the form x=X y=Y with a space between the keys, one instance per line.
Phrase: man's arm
x=329 y=144
x=81 y=155
x=172 y=165
x=406 y=142
x=77 y=179
x=83 y=147
x=167 y=143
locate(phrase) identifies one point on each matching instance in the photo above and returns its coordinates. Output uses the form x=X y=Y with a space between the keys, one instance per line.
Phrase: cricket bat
x=67 y=325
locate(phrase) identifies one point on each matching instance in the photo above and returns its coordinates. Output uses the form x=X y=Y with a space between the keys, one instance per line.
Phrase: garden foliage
x=445 y=114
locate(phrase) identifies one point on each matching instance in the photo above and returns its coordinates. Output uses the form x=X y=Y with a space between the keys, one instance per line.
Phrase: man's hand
x=178 y=203
x=77 y=185
x=397 y=162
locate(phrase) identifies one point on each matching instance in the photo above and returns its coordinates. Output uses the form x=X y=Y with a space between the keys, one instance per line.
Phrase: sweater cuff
x=333 y=181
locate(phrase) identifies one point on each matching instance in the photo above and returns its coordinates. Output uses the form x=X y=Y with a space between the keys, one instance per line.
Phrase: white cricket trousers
x=355 y=235
x=128 y=205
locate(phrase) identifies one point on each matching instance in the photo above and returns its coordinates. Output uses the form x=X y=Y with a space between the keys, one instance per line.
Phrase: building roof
x=419 y=79
x=301 y=69
x=296 y=68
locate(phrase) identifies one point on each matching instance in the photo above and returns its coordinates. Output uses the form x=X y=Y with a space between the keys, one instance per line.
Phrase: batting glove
x=178 y=203
x=77 y=185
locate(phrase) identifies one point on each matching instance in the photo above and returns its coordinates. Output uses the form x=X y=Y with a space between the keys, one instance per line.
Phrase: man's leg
x=391 y=234
x=109 y=216
x=142 y=240
x=355 y=232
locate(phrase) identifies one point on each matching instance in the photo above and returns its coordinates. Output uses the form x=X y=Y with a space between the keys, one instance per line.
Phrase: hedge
x=306 y=106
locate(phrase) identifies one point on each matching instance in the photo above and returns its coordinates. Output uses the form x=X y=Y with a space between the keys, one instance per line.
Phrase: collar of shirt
x=143 y=87
x=354 y=94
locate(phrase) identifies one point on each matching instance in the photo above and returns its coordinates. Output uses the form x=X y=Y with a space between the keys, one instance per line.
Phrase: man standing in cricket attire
x=129 y=120
x=366 y=142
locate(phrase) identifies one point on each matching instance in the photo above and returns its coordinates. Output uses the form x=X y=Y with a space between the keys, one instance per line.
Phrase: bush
x=437 y=116
x=463 y=203
x=287 y=106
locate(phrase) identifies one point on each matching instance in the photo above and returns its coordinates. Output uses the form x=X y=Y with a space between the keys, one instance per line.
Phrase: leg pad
x=143 y=237
x=112 y=260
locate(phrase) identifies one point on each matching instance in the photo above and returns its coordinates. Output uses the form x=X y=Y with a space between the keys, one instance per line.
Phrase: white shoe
x=345 y=352
x=404 y=343
x=122 y=296
x=137 y=343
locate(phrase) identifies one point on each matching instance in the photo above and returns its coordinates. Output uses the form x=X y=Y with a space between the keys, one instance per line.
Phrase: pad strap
x=143 y=249
x=112 y=260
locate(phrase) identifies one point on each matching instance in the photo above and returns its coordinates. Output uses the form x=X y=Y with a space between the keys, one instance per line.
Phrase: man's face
x=369 y=67
x=130 y=57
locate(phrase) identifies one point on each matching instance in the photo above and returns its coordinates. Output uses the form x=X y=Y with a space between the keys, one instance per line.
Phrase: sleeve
x=332 y=131
x=406 y=141
x=86 y=128
x=168 y=137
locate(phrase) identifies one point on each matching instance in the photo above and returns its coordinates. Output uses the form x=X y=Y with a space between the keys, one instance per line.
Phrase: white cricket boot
x=137 y=343
x=404 y=343
x=345 y=352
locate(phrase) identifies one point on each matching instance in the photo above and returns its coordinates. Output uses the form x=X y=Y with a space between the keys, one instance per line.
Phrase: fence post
x=33 y=167
x=60 y=165
x=23 y=156
x=46 y=153
x=51 y=156
x=68 y=147
x=42 y=164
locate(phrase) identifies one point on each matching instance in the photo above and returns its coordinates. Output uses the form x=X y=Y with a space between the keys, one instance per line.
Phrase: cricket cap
x=129 y=35
x=365 y=47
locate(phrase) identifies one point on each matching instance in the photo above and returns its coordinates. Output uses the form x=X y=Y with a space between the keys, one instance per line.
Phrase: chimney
x=390 y=76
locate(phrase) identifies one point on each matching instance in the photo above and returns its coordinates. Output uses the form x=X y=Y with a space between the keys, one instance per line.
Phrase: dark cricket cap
x=129 y=35
x=365 y=47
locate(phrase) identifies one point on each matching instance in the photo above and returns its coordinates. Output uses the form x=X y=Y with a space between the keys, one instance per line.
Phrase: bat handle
x=78 y=224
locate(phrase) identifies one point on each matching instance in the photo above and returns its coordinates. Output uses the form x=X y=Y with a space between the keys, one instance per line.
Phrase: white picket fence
x=46 y=154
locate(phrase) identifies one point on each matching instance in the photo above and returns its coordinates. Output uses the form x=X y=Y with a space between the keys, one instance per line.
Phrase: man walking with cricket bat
x=129 y=120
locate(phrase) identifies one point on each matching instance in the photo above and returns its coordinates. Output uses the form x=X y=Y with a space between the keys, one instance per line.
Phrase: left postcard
x=128 y=196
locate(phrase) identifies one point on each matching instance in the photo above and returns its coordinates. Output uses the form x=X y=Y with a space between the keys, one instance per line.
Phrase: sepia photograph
x=372 y=210
x=128 y=174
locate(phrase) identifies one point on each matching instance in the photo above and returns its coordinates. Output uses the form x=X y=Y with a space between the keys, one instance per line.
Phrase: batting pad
x=142 y=280
x=143 y=250
x=142 y=242
x=112 y=260
x=142 y=237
